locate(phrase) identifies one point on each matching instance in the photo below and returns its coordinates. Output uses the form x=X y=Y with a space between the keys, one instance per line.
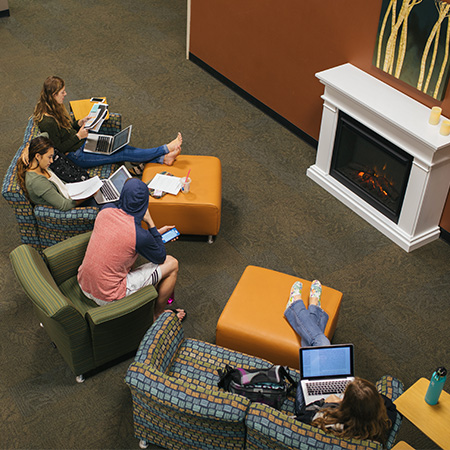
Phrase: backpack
x=267 y=386
x=66 y=169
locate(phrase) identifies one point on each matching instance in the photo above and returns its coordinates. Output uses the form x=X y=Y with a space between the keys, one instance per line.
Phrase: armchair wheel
x=143 y=444
x=80 y=379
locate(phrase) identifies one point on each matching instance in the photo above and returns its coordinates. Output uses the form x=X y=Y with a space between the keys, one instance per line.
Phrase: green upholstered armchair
x=86 y=335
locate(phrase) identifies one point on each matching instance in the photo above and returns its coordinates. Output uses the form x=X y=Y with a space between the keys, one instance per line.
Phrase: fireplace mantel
x=403 y=121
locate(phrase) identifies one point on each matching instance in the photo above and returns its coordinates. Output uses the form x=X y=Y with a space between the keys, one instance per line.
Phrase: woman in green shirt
x=69 y=135
x=39 y=183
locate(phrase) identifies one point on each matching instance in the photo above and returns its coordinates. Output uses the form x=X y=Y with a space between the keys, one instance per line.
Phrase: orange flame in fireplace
x=376 y=180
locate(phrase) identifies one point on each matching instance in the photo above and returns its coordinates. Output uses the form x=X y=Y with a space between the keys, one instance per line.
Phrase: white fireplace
x=402 y=121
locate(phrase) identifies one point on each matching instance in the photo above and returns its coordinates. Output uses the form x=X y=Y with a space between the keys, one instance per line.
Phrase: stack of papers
x=165 y=183
x=96 y=116
x=84 y=189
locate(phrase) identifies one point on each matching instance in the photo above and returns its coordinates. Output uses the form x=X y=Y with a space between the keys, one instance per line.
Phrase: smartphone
x=97 y=100
x=170 y=235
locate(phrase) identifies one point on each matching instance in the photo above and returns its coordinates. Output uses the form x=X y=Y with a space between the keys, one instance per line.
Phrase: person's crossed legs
x=308 y=323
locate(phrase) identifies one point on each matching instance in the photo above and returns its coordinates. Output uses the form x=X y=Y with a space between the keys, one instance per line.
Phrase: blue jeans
x=309 y=324
x=127 y=153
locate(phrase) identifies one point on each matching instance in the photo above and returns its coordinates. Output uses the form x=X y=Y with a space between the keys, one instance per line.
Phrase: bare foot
x=181 y=313
x=176 y=143
x=170 y=157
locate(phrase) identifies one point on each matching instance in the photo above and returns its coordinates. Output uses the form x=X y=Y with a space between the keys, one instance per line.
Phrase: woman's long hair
x=361 y=413
x=39 y=145
x=47 y=105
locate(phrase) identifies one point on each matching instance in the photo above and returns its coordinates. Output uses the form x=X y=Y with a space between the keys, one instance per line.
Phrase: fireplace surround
x=370 y=166
x=384 y=118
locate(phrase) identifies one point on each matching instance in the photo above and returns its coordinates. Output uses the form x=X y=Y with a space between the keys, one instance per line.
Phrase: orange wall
x=272 y=49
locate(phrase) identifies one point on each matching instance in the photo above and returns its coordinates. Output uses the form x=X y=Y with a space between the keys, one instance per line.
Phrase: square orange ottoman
x=252 y=321
x=199 y=211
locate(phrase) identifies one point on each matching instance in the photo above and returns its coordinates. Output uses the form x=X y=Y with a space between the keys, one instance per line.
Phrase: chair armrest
x=392 y=388
x=123 y=307
x=56 y=217
x=268 y=428
x=113 y=125
x=187 y=398
x=160 y=344
x=56 y=226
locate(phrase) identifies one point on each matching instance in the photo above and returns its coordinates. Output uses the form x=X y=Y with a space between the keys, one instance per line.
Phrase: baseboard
x=254 y=101
x=445 y=235
x=4 y=13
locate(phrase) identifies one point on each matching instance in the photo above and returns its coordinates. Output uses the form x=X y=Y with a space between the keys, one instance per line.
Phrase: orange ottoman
x=197 y=212
x=252 y=321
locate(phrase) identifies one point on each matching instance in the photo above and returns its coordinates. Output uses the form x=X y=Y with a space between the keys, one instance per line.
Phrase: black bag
x=267 y=386
x=66 y=169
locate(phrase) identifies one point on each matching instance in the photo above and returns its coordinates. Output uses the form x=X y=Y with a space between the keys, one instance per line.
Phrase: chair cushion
x=71 y=289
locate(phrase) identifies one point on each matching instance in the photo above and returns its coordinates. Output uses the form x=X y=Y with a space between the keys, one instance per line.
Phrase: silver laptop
x=112 y=187
x=105 y=144
x=325 y=370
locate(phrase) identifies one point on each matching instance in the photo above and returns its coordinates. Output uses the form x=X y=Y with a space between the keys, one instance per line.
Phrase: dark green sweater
x=64 y=140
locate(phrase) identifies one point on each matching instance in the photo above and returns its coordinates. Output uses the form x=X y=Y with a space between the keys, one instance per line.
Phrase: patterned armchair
x=268 y=428
x=43 y=226
x=177 y=404
x=86 y=335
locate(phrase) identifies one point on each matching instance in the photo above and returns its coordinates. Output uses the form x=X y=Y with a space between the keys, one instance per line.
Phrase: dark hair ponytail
x=39 y=145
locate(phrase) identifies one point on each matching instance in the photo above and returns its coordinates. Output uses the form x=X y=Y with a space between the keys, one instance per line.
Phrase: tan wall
x=272 y=49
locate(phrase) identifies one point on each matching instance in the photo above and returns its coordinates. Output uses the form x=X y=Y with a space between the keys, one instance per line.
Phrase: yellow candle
x=435 y=115
x=445 y=128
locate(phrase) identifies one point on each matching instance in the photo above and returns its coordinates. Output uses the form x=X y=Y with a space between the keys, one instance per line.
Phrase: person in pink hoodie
x=118 y=237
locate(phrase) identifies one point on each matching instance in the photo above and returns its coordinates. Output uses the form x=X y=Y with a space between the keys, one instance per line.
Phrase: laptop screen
x=330 y=361
x=121 y=138
x=119 y=177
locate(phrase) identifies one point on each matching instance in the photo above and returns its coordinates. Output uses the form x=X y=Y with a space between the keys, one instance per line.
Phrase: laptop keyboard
x=102 y=144
x=108 y=192
x=326 y=387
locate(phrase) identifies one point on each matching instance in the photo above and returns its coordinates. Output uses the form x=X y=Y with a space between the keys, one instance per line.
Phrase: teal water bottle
x=436 y=385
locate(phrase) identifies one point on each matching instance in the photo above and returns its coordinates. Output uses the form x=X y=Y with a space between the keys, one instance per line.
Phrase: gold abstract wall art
x=413 y=43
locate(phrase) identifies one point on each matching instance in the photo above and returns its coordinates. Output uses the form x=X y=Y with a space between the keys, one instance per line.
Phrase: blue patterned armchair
x=177 y=404
x=43 y=226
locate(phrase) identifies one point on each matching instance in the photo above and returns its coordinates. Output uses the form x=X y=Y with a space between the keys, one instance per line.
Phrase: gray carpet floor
x=395 y=306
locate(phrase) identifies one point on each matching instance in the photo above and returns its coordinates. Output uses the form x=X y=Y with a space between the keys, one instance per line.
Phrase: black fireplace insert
x=370 y=166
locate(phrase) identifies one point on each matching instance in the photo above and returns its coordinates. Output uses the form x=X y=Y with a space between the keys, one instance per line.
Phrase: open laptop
x=325 y=370
x=112 y=187
x=105 y=144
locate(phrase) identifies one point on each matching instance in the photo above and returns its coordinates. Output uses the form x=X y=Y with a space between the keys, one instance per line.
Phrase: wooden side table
x=434 y=420
x=402 y=445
